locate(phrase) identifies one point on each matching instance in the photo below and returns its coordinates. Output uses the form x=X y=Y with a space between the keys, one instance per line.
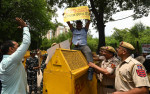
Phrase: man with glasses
x=131 y=77
x=106 y=70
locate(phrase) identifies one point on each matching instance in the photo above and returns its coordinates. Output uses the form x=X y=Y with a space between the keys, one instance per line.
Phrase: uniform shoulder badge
x=113 y=65
x=140 y=71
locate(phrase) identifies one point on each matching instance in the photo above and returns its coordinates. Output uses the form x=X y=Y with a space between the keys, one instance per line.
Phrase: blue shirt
x=12 y=72
x=79 y=36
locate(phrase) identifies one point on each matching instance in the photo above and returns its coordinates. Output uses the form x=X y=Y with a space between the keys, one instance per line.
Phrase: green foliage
x=35 y=12
x=138 y=33
x=45 y=44
x=102 y=11
x=92 y=43
x=62 y=37
x=111 y=41
x=139 y=27
x=120 y=34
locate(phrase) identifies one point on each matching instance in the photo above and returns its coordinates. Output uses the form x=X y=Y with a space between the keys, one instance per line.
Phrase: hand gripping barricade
x=66 y=73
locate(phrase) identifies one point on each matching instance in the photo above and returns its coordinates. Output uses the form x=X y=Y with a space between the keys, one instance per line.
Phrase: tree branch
x=93 y=8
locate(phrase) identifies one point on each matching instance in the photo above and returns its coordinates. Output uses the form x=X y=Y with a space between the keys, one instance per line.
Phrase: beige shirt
x=130 y=74
x=110 y=66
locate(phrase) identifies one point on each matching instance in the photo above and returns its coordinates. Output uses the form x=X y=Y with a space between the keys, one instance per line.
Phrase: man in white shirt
x=12 y=72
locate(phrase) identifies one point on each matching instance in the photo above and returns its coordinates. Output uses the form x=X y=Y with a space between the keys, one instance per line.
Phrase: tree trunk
x=100 y=24
x=101 y=29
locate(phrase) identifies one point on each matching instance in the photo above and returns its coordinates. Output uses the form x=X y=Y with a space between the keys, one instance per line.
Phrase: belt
x=109 y=86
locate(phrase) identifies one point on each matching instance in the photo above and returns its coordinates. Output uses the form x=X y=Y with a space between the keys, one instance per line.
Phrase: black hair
x=111 y=53
x=5 y=46
x=128 y=50
x=78 y=21
x=32 y=52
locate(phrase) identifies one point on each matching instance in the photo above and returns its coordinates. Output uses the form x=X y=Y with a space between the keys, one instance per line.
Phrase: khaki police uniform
x=130 y=74
x=98 y=75
x=102 y=58
x=106 y=83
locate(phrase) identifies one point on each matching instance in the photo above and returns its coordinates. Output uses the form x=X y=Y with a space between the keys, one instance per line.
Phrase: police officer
x=43 y=66
x=99 y=59
x=106 y=70
x=32 y=67
x=131 y=77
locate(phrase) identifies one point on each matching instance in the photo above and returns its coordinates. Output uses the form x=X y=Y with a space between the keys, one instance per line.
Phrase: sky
x=121 y=24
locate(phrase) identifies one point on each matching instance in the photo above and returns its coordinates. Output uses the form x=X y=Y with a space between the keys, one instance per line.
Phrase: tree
x=35 y=12
x=120 y=34
x=136 y=35
x=102 y=10
x=60 y=38
x=135 y=32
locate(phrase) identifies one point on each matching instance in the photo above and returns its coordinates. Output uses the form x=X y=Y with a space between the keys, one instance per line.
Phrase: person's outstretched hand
x=20 y=22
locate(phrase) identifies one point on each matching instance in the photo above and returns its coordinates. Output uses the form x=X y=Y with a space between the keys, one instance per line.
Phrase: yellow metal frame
x=61 y=77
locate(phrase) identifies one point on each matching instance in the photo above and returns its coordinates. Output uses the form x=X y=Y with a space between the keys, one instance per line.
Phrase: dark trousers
x=32 y=82
x=86 y=51
x=88 y=54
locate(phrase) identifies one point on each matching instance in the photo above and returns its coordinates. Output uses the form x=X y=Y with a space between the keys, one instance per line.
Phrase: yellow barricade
x=28 y=55
x=66 y=73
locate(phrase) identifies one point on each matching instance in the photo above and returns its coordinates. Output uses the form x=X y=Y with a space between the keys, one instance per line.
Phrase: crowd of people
x=117 y=71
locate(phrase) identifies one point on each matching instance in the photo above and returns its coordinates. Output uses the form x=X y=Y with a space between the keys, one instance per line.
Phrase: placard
x=76 y=13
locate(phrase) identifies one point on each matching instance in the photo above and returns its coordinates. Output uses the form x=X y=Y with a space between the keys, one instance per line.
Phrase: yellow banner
x=76 y=13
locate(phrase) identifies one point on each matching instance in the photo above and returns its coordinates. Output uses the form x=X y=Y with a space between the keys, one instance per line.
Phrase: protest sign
x=145 y=48
x=76 y=13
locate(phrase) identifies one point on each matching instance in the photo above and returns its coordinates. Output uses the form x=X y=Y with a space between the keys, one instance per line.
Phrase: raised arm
x=20 y=22
x=87 y=24
x=20 y=52
x=70 y=25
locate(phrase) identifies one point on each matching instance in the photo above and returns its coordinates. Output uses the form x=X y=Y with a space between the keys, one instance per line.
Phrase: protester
x=12 y=72
x=32 y=66
x=80 y=41
x=131 y=77
x=107 y=70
